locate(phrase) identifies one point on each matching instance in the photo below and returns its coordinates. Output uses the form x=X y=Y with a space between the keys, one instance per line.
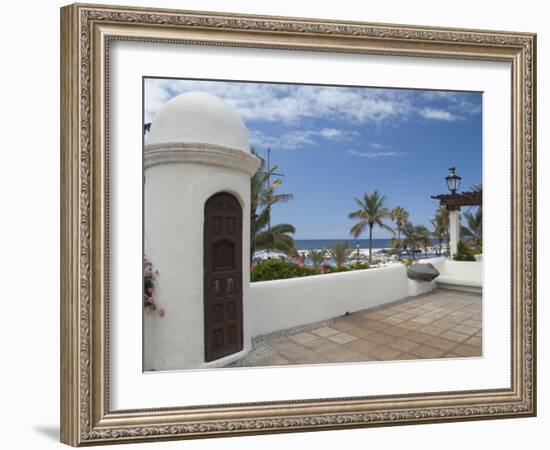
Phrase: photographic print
x=294 y=224
x=342 y=212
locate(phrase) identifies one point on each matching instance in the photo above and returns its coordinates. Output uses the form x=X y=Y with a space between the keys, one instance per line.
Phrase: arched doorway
x=223 y=290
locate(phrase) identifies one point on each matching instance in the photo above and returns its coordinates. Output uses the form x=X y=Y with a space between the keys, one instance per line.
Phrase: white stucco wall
x=461 y=275
x=280 y=304
x=175 y=195
x=149 y=337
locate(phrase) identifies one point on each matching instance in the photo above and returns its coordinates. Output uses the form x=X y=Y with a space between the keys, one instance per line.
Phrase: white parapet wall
x=459 y=275
x=280 y=304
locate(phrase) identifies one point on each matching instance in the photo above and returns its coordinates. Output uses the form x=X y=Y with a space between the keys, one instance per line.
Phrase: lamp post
x=453 y=183
x=358 y=247
x=453 y=180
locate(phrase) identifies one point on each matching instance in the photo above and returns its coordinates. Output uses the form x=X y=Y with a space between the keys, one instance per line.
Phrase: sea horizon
x=377 y=243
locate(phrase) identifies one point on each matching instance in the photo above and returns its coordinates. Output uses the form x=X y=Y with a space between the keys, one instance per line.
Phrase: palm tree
x=416 y=237
x=371 y=212
x=473 y=230
x=263 y=198
x=440 y=223
x=276 y=238
x=400 y=216
x=316 y=256
x=396 y=245
x=340 y=251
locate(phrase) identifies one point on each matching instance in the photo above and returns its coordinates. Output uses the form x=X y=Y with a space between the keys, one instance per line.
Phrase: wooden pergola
x=456 y=200
x=453 y=202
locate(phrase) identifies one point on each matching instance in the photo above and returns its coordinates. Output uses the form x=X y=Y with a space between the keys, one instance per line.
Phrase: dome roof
x=199 y=117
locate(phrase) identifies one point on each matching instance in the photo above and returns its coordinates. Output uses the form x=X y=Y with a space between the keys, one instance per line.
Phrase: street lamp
x=453 y=180
x=358 y=247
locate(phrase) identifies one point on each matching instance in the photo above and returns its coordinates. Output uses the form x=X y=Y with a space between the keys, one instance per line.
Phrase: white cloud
x=291 y=105
x=337 y=135
x=288 y=103
x=376 y=145
x=287 y=141
x=298 y=138
x=437 y=114
x=375 y=155
x=457 y=102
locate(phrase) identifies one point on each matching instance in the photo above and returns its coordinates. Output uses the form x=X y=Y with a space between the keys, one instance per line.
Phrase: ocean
x=308 y=244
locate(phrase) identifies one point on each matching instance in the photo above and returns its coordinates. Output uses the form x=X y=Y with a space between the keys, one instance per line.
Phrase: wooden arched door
x=223 y=286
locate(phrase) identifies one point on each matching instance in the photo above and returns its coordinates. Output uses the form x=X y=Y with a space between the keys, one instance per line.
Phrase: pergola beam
x=471 y=198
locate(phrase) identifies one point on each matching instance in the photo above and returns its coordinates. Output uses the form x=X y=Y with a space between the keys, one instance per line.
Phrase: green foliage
x=440 y=224
x=340 y=251
x=472 y=230
x=276 y=269
x=317 y=256
x=371 y=212
x=358 y=266
x=463 y=252
x=417 y=237
x=408 y=262
x=264 y=195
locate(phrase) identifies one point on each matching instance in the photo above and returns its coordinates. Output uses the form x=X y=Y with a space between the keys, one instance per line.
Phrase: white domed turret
x=199 y=117
x=198 y=165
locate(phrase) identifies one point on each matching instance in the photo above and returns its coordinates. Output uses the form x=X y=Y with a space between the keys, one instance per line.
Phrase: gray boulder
x=422 y=272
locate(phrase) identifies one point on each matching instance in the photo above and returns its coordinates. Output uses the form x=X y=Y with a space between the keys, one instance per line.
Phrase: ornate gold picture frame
x=87 y=32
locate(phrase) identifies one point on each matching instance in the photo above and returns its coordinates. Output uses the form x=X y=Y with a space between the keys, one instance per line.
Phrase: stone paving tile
x=445 y=324
x=375 y=315
x=465 y=329
x=442 y=324
x=473 y=323
x=411 y=325
x=321 y=344
x=396 y=331
x=454 y=336
x=375 y=325
x=300 y=338
x=467 y=350
x=392 y=320
x=431 y=329
x=342 y=338
x=383 y=353
x=441 y=343
x=419 y=337
x=402 y=344
x=404 y=316
x=476 y=341
x=342 y=325
x=424 y=320
x=324 y=331
x=360 y=331
x=361 y=345
x=380 y=338
x=344 y=355
x=425 y=351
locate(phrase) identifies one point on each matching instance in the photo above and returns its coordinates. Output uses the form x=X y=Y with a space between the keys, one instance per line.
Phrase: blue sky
x=334 y=143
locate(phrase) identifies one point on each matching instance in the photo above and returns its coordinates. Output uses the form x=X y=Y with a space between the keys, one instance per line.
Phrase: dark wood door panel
x=223 y=294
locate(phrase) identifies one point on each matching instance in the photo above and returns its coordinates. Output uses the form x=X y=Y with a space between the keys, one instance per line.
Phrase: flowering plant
x=149 y=279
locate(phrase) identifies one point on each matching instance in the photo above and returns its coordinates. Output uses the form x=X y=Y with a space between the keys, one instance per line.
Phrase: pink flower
x=162 y=312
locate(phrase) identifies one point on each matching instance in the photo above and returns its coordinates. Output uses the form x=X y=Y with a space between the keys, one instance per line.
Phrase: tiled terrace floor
x=441 y=324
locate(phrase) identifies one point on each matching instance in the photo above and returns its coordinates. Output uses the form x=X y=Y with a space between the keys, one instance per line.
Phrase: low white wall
x=458 y=274
x=280 y=304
